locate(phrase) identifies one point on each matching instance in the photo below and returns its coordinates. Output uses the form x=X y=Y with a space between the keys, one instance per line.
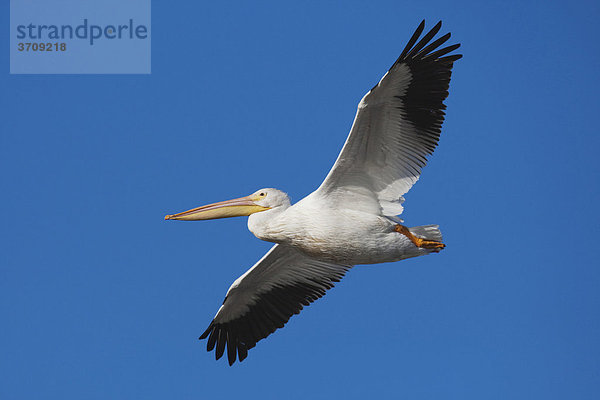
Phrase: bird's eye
x=262 y=194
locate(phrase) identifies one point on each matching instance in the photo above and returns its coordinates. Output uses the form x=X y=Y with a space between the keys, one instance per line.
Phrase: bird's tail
x=427 y=232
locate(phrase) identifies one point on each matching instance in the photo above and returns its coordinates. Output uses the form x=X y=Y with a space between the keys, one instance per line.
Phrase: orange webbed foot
x=420 y=242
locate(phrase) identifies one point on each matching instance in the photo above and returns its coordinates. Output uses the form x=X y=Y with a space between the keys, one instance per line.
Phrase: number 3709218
x=42 y=46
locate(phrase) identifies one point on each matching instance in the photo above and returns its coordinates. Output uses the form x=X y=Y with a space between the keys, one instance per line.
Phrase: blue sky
x=101 y=298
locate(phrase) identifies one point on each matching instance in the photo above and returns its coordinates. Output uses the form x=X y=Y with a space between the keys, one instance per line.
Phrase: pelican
x=352 y=218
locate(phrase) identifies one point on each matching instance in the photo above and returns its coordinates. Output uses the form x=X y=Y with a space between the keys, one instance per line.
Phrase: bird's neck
x=267 y=225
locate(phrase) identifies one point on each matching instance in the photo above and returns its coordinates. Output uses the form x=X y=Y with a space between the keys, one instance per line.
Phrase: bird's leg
x=419 y=242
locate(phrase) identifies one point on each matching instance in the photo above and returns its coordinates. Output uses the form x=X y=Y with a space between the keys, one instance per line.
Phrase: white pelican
x=352 y=217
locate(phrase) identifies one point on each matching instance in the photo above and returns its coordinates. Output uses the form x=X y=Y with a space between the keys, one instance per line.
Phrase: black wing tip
x=411 y=42
x=415 y=49
x=206 y=332
x=451 y=59
x=221 y=342
x=231 y=348
x=218 y=337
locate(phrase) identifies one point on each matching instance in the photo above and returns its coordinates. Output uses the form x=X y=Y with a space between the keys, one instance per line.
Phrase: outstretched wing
x=265 y=297
x=397 y=125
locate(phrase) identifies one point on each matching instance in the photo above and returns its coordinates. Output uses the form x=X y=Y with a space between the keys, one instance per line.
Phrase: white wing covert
x=265 y=297
x=397 y=125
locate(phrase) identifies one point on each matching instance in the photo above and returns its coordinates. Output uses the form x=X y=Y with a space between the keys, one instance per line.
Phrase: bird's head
x=261 y=200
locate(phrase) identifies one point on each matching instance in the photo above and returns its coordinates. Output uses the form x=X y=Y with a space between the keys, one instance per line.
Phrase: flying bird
x=352 y=218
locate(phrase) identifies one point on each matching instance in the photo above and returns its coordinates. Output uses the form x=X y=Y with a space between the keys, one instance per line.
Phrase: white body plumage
x=339 y=235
